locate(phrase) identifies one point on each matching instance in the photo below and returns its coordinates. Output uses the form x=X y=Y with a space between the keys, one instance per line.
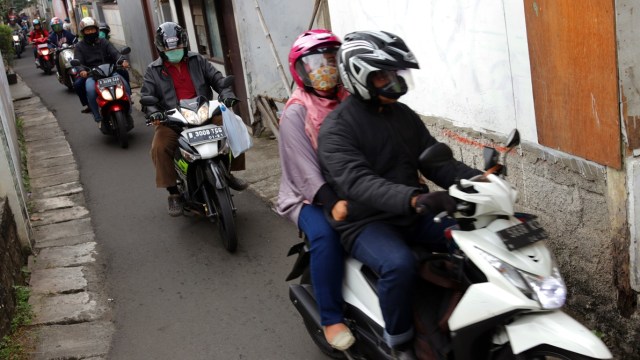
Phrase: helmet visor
x=319 y=70
x=392 y=83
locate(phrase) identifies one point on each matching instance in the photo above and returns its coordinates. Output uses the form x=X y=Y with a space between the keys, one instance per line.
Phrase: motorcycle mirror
x=75 y=62
x=513 y=139
x=125 y=51
x=436 y=155
x=149 y=100
x=491 y=157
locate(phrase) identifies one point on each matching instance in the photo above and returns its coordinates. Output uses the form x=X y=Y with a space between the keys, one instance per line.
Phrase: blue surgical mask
x=174 y=56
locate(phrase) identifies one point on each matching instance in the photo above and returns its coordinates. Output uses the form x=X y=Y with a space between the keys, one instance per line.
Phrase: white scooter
x=501 y=286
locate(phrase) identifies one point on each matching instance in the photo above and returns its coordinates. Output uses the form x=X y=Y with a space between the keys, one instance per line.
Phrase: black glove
x=435 y=203
x=155 y=116
x=229 y=102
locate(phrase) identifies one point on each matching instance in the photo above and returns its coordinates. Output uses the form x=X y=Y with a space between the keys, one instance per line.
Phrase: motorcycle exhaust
x=303 y=300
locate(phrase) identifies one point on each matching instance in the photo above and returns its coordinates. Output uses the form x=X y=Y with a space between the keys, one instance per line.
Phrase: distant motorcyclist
x=38 y=32
x=67 y=25
x=176 y=75
x=13 y=24
x=58 y=37
x=93 y=51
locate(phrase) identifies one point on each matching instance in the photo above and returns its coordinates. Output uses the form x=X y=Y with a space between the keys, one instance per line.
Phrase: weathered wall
x=135 y=35
x=285 y=19
x=11 y=262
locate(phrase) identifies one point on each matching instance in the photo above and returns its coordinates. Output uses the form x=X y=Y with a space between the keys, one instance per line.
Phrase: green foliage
x=6 y=44
x=12 y=345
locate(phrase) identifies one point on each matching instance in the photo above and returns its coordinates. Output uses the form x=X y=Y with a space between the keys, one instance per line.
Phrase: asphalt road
x=177 y=293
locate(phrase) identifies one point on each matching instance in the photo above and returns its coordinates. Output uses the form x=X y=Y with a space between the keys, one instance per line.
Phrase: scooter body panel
x=557 y=329
x=357 y=291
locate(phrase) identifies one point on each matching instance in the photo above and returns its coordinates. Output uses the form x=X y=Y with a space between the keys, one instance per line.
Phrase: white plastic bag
x=237 y=133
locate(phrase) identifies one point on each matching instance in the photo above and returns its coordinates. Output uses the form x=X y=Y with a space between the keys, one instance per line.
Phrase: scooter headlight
x=45 y=52
x=197 y=117
x=119 y=91
x=549 y=291
x=106 y=94
x=16 y=38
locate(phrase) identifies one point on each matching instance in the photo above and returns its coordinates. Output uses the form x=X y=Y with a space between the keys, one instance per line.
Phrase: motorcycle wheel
x=546 y=352
x=226 y=223
x=120 y=124
x=69 y=82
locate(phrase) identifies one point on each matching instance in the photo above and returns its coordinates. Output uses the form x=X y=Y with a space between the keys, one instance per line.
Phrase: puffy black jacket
x=370 y=158
x=158 y=82
x=98 y=53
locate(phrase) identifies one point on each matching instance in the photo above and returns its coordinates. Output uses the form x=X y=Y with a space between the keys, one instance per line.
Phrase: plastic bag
x=237 y=133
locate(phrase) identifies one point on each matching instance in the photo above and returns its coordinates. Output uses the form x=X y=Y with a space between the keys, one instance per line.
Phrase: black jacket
x=158 y=83
x=370 y=158
x=98 y=53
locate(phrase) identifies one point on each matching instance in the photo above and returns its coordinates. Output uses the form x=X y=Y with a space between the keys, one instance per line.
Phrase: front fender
x=556 y=329
x=217 y=174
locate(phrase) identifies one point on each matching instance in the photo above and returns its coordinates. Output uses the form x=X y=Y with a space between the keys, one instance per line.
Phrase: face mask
x=324 y=78
x=103 y=35
x=91 y=38
x=174 y=56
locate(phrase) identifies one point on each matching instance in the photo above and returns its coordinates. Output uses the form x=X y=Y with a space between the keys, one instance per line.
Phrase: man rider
x=176 y=75
x=58 y=37
x=93 y=51
x=103 y=33
x=67 y=25
x=368 y=149
x=37 y=33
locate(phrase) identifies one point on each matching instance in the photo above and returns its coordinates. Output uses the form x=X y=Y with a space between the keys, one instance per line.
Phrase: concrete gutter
x=72 y=311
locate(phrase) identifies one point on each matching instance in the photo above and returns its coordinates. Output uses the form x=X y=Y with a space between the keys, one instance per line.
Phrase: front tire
x=120 y=124
x=226 y=223
x=547 y=352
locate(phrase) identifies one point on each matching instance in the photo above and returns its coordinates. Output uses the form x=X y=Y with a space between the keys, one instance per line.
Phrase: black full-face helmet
x=171 y=36
x=366 y=52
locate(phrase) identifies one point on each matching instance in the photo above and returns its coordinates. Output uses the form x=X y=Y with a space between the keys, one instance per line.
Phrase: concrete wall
x=135 y=35
x=285 y=20
x=10 y=165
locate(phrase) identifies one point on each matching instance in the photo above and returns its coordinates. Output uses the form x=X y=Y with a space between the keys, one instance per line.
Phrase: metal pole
x=283 y=75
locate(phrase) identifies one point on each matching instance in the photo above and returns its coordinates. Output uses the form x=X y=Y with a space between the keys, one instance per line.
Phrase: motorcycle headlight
x=45 y=52
x=119 y=91
x=106 y=94
x=16 y=38
x=549 y=291
x=196 y=118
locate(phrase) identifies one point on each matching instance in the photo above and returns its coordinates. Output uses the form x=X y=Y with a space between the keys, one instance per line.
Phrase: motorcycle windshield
x=105 y=70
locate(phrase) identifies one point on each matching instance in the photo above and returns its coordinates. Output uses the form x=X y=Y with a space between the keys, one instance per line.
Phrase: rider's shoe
x=237 y=184
x=342 y=340
x=176 y=204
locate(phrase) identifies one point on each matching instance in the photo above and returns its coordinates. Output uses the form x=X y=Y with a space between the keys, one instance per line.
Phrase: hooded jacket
x=157 y=82
x=370 y=158
x=98 y=53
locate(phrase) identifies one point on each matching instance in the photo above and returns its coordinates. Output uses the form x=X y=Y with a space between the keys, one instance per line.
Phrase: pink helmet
x=309 y=42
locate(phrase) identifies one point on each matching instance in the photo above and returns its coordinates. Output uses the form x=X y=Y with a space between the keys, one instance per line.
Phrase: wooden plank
x=572 y=49
x=267 y=114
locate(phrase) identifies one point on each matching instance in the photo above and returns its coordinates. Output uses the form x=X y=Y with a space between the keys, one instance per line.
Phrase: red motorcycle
x=45 y=59
x=113 y=100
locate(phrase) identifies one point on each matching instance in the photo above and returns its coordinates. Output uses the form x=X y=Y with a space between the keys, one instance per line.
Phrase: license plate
x=205 y=134
x=107 y=82
x=521 y=235
x=42 y=46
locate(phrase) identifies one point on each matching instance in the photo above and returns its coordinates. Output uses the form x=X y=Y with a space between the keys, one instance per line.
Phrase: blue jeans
x=92 y=95
x=80 y=90
x=385 y=249
x=327 y=263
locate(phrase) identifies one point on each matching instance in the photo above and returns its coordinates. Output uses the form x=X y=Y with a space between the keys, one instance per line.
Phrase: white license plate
x=206 y=134
x=107 y=82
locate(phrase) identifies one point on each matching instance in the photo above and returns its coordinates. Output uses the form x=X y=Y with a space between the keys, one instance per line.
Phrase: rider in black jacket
x=368 y=149
x=93 y=51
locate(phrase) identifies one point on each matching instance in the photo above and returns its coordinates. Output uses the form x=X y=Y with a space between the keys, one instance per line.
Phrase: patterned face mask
x=324 y=78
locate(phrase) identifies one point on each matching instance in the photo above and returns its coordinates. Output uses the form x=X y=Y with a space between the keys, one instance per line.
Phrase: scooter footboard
x=556 y=329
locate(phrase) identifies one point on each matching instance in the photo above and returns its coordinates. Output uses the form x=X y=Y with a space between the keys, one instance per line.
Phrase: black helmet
x=104 y=28
x=169 y=36
x=365 y=52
